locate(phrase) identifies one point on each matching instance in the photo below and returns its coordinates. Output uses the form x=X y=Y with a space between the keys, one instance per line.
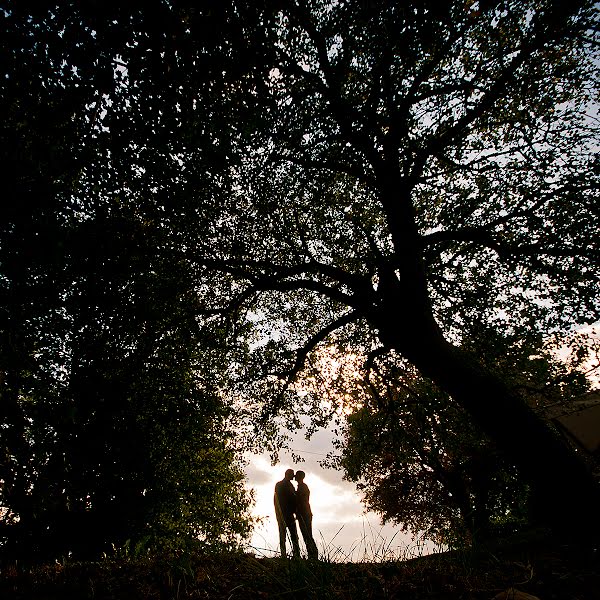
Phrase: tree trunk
x=568 y=497
x=566 y=493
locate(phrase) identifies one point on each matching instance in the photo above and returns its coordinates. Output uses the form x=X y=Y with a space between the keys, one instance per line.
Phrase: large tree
x=116 y=427
x=416 y=167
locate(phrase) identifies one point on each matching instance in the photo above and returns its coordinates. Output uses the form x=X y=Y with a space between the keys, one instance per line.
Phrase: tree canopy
x=418 y=169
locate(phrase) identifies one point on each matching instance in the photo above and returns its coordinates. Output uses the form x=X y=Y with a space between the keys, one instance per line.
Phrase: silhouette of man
x=304 y=514
x=285 y=507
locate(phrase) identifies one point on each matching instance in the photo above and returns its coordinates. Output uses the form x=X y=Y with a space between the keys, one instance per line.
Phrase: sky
x=342 y=529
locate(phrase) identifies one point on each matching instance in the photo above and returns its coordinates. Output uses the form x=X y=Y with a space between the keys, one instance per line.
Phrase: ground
x=540 y=567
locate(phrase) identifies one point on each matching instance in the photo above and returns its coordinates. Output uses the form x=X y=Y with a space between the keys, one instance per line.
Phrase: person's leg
x=282 y=534
x=313 y=551
x=305 y=522
x=303 y=529
x=291 y=525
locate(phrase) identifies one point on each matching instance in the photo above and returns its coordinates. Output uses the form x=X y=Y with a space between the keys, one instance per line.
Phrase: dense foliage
x=114 y=428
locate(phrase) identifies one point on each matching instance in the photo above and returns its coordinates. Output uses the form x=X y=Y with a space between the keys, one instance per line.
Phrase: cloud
x=258 y=471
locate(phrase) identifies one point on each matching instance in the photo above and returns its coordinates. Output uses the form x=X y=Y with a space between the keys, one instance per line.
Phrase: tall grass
x=370 y=547
x=348 y=571
x=372 y=568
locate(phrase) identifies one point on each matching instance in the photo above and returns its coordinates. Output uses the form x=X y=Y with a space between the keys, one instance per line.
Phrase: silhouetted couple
x=292 y=503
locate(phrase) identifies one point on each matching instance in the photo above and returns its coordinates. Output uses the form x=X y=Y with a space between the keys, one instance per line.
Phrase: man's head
x=300 y=475
x=289 y=474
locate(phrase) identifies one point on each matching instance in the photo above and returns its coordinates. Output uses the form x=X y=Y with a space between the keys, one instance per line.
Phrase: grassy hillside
x=534 y=565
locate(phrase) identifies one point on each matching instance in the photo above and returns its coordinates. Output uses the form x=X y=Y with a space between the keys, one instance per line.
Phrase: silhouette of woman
x=304 y=514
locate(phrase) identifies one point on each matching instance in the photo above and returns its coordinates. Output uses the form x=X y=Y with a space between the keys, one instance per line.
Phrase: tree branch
x=316 y=339
x=262 y=274
x=330 y=165
x=484 y=233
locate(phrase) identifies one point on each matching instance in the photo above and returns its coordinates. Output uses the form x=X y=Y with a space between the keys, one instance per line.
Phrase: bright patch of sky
x=342 y=529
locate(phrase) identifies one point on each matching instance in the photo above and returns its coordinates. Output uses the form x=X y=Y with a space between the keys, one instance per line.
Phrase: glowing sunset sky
x=341 y=527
